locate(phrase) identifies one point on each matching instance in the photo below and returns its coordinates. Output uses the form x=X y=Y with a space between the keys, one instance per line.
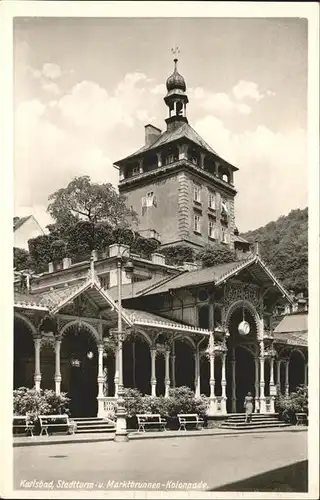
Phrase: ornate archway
x=23 y=352
x=242 y=354
x=79 y=368
x=137 y=362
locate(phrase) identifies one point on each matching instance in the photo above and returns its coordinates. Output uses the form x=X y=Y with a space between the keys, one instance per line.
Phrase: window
x=196 y=193
x=225 y=236
x=212 y=200
x=169 y=159
x=224 y=207
x=149 y=200
x=212 y=229
x=197 y=223
x=135 y=170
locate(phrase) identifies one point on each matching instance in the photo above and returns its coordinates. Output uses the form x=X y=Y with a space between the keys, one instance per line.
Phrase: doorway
x=244 y=377
x=79 y=371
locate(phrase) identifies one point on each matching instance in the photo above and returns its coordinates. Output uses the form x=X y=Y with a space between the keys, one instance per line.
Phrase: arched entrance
x=23 y=352
x=184 y=363
x=137 y=364
x=79 y=371
x=296 y=370
x=240 y=366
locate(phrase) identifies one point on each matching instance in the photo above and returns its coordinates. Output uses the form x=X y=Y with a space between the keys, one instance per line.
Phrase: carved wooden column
x=233 y=366
x=224 y=382
x=173 y=366
x=262 y=384
x=212 y=379
x=279 y=376
x=153 y=353
x=287 y=378
x=100 y=380
x=197 y=373
x=37 y=370
x=167 y=373
x=57 y=376
x=256 y=384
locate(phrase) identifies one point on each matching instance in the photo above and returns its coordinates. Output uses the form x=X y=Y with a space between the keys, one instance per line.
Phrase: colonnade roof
x=218 y=275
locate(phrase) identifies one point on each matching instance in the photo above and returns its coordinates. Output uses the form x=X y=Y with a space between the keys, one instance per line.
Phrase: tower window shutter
x=155 y=201
x=143 y=201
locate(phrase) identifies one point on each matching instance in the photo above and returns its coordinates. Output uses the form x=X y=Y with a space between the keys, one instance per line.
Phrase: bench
x=22 y=422
x=55 y=423
x=190 y=419
x=151 y=420
x=301 y=419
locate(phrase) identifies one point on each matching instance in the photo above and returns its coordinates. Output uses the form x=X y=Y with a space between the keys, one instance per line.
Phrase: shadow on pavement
x=293 y=477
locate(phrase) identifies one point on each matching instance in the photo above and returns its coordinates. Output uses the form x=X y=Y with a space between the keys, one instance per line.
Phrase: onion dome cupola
x=176 y=98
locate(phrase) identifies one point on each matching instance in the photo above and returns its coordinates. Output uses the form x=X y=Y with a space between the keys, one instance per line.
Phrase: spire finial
x=175 y=52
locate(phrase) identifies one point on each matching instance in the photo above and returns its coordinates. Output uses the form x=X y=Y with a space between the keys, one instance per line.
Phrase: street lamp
x=121 y=433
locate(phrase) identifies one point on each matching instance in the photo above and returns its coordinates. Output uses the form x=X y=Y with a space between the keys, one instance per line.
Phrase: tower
x=180 y=187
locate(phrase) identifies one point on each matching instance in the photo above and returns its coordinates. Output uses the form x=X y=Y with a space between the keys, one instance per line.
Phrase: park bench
x=192 y=419
x=55 y=423
x=150 y=420
x=22 y=423
x=301 y=419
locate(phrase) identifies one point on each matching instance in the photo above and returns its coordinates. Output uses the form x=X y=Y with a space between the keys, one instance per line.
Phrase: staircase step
x=253 y=426
x=93 y=425
x=92 y=431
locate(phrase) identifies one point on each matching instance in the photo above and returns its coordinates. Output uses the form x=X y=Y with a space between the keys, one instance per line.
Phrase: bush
x=133 y=402
x=296 y=402
x=182 y=400
x=157 y=404
x=177 y=255
x=214 y=255
x=44 y=402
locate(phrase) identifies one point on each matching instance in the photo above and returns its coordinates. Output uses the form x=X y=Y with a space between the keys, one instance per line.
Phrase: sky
x=84 y=89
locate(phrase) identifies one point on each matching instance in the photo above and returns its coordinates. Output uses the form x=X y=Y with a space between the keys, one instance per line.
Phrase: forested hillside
x=284 y=247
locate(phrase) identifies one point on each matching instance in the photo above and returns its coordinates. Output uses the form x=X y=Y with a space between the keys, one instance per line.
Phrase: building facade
x=179 y=186
x=216 y=330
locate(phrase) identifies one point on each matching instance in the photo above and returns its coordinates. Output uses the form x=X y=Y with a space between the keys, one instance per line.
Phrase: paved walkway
x=98 y=437
x=173 y=464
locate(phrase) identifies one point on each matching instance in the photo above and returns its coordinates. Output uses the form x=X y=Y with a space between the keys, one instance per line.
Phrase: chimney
x=51 y=267
x=151 y=134
x=158 y=258
x=66 y=263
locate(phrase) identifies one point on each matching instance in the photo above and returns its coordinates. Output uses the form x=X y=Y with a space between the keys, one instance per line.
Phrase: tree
x=284 y=247
x=88 y=201
x=21 y=259
x=215 y=255
x=177 y=255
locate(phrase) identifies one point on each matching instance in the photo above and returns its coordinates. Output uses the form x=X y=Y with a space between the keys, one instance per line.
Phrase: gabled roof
x=183 y=131
x=293 y=323
x=17 y=222
x=144 y=318
x=217 y=275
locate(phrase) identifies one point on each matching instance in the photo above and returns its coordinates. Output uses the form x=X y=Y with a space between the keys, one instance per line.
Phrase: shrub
x=133 y=402
x=214 y=255
x=295 y=402
x=33 y=403
x=157 y=404
x=182 y=400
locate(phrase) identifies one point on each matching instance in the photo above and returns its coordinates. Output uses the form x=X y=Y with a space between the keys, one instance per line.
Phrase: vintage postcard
x=160 y=250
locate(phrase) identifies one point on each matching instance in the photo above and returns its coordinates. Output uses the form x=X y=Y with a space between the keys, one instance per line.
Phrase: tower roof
x=176 y=81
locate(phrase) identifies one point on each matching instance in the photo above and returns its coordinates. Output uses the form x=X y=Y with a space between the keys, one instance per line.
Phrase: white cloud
x=51 y=71
x=221 y=102
x=50 y=87
x=244 y=89
x=159 y=89
x=272 y=176
x=74 y=135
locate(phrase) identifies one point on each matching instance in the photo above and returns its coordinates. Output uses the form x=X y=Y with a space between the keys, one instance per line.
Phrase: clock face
x=244 y=328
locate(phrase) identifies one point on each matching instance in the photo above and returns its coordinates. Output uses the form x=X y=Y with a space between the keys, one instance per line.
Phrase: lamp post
x=121 y=434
